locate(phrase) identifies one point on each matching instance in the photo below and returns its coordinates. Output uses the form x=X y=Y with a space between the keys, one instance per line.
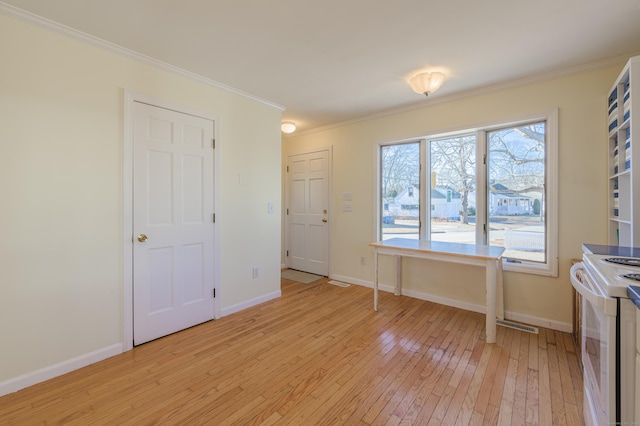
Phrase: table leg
x=375 y=281
x=398 y=275
x=491 y=278
x=500 y=294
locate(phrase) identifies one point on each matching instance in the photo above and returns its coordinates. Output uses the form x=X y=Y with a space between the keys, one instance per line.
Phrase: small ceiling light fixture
x=426 y=82
x=288 y=127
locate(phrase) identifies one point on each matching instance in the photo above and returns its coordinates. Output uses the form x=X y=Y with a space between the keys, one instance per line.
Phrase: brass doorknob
x=324 y=219
x=142 y=238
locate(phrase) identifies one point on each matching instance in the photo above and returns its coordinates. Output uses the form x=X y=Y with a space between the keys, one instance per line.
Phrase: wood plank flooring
x=320 y=355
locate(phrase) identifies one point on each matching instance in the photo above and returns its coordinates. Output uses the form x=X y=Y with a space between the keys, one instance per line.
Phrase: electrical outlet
x=256 y=272
x=270 y=209
x=347 y=207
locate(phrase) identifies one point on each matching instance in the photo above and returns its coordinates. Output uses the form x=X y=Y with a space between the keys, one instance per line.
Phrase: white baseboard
x=43 y=374
x=513 y=316
x=445 y=301
x=356 y=281
x=539 y=322
x=249 y=303
x=38 y=376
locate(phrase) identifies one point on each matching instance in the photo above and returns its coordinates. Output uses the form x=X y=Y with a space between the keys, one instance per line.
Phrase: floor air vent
x=338 y=283
x=517 y=326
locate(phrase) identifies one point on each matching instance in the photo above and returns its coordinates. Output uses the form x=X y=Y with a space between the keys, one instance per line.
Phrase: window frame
x=550 y=117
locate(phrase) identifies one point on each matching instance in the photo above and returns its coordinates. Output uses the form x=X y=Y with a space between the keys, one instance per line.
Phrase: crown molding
x=538 y=78
x=40 y=21
x=14 y=12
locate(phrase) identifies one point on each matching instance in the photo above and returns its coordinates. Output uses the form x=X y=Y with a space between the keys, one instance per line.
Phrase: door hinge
x=484 y=228
x=287 y=211
x=214 y=293
x=287 y=169
x=287 y=253
x=214 y=218
x=484 y=159
x=213 y=143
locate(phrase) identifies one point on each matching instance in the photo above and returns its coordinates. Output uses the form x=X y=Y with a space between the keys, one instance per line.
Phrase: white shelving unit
x=624 y=157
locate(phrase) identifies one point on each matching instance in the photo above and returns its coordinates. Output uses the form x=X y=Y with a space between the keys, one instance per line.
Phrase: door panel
x=173 y=207
x=160 y=299
x=316 y=251
x=317 y=198
x=192 y=182
x=307 y=220
x=160 y=177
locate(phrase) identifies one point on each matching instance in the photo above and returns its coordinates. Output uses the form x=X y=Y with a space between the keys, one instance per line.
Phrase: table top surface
x=439 y=247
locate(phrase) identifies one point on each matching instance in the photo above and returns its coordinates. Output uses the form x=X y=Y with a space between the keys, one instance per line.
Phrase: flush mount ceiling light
x=426 y=82
x=288 y=127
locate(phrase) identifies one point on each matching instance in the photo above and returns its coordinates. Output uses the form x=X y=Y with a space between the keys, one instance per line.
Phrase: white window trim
x=550 y=268
x=425 y=212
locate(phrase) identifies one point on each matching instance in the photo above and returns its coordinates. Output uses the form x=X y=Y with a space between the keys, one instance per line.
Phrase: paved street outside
x=456 y=231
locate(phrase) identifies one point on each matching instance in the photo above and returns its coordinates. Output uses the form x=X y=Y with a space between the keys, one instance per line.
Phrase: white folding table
x=489 y=257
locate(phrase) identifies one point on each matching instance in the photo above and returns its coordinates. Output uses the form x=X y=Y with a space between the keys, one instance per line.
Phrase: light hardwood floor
x=321 y=355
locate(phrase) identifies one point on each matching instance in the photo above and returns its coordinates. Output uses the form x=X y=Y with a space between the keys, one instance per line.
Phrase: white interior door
x=308 y=212
x=173 y=231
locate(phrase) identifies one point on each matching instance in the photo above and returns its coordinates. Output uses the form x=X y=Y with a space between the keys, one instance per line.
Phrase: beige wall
x=581 y=103
x=61 y=168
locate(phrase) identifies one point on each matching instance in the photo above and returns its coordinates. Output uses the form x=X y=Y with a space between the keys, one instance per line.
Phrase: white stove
x=614 y=273
x=608 y=336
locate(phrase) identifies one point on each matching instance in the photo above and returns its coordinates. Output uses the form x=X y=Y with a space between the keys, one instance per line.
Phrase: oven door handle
x=582 y=282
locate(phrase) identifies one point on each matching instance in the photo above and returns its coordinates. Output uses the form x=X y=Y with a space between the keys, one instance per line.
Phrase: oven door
x=598 y=348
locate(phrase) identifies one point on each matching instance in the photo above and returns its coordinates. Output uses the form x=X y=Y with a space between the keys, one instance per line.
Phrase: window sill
x=548 y=270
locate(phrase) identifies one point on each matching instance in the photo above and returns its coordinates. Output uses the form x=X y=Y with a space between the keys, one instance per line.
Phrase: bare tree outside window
x=516 y=191
x=453 y=163
x=453 y=180
x=400 y=181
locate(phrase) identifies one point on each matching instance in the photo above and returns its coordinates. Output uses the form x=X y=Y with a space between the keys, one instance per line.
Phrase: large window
x=494 y=185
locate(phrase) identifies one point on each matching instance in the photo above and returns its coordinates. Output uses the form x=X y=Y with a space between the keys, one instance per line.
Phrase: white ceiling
x=332 y=61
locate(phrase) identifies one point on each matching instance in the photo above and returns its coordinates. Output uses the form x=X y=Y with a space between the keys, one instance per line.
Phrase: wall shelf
x=624 y=156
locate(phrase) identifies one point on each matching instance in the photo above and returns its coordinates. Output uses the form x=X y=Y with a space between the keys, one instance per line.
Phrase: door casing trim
x=130 y=97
